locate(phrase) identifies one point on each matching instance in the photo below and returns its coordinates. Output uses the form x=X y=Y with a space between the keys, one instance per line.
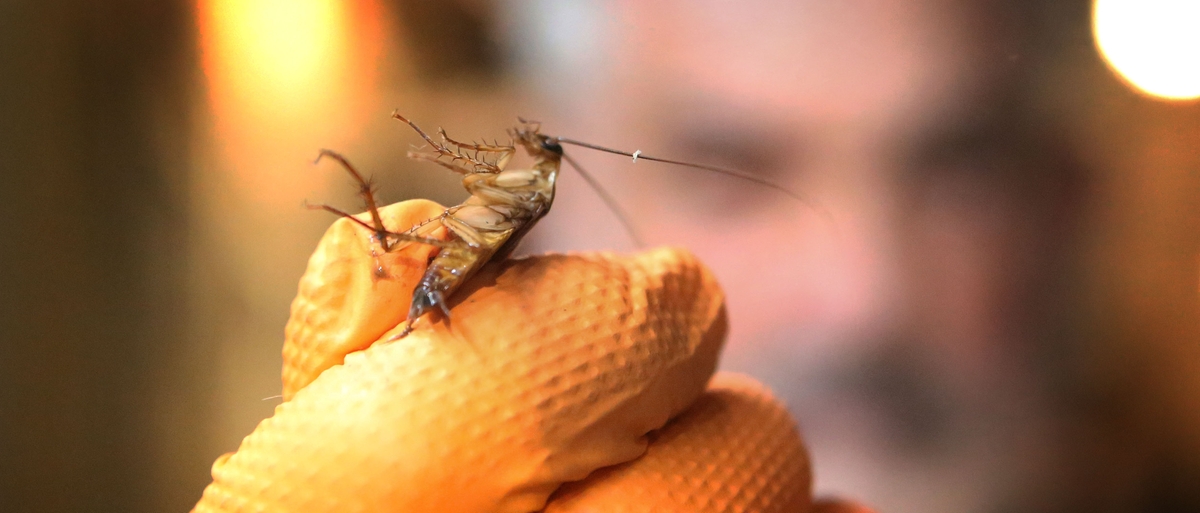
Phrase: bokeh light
x=275 y=47
x=285 y=77
x=1153 y=44
x=282 y=79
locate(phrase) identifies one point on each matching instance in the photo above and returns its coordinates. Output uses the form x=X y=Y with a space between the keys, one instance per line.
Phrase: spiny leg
x=388 y=235
x=416 y=155
x=408 y=328
x=415 y=230
x=487 y=148
x=366 y=190
x=422 y=224
x=503 y=152
x=447 y=152
x=465 y=235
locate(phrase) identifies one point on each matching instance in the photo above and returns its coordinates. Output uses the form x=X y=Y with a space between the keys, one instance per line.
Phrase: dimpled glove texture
x=551 y=370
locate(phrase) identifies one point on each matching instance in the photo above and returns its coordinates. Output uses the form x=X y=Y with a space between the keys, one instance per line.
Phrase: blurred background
x=990 y=304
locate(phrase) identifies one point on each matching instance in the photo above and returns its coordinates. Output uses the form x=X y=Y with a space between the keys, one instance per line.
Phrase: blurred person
x=903 y=329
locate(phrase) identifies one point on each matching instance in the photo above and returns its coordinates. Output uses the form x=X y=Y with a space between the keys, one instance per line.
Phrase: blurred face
x=826 y=100
x=881 y=311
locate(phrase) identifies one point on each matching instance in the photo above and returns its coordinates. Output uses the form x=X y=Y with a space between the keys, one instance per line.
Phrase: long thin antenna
x=608 y=200
x=638 y=155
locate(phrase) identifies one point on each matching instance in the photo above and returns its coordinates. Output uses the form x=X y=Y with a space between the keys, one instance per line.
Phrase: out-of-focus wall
x=1133 y=360
x=154 y=158
x=282 y=80
x=93 y=154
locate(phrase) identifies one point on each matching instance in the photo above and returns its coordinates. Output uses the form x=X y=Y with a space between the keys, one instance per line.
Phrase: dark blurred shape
x=1128 y=375
x=453 y=40
x=94 y=123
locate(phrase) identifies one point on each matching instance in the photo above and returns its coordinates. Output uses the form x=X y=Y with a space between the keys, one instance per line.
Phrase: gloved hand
x=582 y=379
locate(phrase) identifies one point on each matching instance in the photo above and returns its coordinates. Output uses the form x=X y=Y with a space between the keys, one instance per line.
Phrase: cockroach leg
x=408 y=328
x=365 y=189
x=480 y=165
x=416 y=155
x=388 y=236
x=503 y=152
x=488 y=148
x=422 y=224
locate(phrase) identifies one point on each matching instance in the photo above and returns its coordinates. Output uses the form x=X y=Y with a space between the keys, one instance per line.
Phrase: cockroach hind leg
x=366 y=189
x=408 y=328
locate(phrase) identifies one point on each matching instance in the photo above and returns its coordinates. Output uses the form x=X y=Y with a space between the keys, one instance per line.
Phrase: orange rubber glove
x=581 y=380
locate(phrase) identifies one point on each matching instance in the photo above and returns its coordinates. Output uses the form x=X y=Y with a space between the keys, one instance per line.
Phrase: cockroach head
x=535 y=143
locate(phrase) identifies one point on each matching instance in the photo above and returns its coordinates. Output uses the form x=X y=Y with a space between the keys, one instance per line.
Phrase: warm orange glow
x=283 y=78
x=1153 y=44
x=279 y=47
x=286 y=77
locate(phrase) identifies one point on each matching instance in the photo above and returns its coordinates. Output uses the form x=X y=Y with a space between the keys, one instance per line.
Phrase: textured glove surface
x=550 y=368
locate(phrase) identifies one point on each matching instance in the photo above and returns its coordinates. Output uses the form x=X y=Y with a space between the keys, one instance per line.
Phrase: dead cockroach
x=503 y=207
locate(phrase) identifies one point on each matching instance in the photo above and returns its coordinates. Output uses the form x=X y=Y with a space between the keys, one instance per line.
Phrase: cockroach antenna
x=638 y=155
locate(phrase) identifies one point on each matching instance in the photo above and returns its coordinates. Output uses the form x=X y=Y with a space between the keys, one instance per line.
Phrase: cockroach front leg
x=455 y=156
x=436 y=159
x=504 y=152
x=488 y=148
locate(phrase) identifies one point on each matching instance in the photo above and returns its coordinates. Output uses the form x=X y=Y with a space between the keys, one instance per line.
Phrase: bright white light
x=1153 y=44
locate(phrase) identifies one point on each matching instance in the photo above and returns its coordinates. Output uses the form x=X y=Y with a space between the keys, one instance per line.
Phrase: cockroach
x=503 y=207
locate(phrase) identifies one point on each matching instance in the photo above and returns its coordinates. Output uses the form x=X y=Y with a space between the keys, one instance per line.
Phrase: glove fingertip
x=351 y=292
x=735 y=449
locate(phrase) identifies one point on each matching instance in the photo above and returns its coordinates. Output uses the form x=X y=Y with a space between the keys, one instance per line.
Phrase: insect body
x=504 y=205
